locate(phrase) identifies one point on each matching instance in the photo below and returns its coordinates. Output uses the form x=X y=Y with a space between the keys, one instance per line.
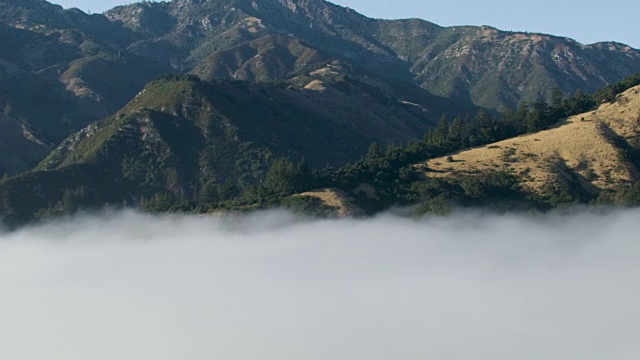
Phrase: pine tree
x=281 y=177
x=456 y=134
x=303 y=177
x=486 y=124
x=441 y=132
x=375 y=151
x=533 y=121
x=557 y=97
x=557 y=104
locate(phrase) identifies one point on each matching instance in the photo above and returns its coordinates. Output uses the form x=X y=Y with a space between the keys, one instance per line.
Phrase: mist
x=275 y=286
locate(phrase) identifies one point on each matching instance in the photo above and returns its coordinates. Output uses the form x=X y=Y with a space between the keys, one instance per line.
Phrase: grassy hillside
x=595 y=151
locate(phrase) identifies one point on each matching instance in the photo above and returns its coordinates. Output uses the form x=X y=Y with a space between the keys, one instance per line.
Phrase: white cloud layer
x=271 y=286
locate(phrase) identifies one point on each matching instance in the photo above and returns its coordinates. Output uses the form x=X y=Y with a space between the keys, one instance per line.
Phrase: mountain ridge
x=180 y=34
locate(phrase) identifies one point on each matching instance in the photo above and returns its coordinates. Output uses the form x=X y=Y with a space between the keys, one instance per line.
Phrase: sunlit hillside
x=597 y=150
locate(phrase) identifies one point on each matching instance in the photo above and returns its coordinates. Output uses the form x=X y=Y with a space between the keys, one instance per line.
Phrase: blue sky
x=586 y=21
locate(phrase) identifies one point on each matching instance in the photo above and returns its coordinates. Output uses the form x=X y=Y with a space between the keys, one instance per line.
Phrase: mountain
x=590 y=153
x=180 y=135
x=497 y=69
x=63 y=69
x=493 y=68
x=79 y=68
x=184 y=144
x=326 y=123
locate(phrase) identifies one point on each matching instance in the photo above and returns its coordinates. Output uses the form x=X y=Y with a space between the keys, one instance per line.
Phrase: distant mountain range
x=86 y=98
x=79 y=68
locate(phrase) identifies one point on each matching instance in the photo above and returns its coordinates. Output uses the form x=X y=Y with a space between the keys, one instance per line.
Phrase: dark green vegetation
x=182 y=145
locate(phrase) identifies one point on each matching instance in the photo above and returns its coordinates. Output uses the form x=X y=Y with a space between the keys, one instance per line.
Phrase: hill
x=190 y=139
x=591 y=152
x=324 y=122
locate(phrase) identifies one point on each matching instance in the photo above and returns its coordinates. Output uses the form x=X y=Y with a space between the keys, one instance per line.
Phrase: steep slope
x=291 y=121
x=493 y=68
x=267 y=59
x=19 y=149
x=595 y=151
x=63 y=69
x=189 y=139
x=496 y=68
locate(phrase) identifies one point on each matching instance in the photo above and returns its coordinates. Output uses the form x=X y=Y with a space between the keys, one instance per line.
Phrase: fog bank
x=272 y=286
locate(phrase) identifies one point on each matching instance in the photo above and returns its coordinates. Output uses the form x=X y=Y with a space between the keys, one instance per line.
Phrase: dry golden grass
x=582 y=144
x=335 y=198
x=316 y=85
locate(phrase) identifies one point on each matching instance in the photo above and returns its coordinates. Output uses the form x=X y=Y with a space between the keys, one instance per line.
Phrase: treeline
x=609 y=93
